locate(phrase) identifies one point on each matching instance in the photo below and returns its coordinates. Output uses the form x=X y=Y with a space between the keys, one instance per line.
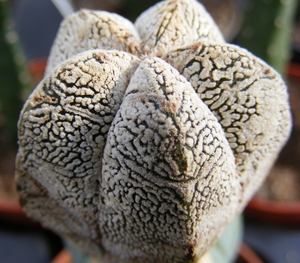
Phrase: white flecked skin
x=173 y=24
x=91 y=29
x=140 y=145
x=249 y=100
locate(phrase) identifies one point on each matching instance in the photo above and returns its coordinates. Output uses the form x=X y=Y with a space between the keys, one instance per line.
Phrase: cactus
x=144 y=140
x=14 y=77
x=267 y=29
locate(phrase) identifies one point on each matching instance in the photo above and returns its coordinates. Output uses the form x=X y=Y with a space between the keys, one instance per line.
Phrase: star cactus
x=143 y=141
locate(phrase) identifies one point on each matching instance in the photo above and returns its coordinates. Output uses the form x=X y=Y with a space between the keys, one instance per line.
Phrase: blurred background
x=268 y=28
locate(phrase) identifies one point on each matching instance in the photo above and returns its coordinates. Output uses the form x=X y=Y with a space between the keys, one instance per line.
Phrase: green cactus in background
x=267 y=30
x=14 y=77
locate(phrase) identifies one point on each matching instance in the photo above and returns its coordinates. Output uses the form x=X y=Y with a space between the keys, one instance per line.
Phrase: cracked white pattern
x=105 y=31
x=135 y=158
x=62 y=134
x=168 y=171
x=249 y=100
x=172 y=24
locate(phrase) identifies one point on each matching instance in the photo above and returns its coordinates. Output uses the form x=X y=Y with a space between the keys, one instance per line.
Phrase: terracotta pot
x=12 y=212
x=37 y=69
x=63 y=257
x=273 y=212
x=246 y=255
x=294 y=70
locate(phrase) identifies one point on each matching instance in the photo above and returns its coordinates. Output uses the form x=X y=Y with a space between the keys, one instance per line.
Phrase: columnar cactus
x=14 y=77
x=267 y=30
x=143 y=141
